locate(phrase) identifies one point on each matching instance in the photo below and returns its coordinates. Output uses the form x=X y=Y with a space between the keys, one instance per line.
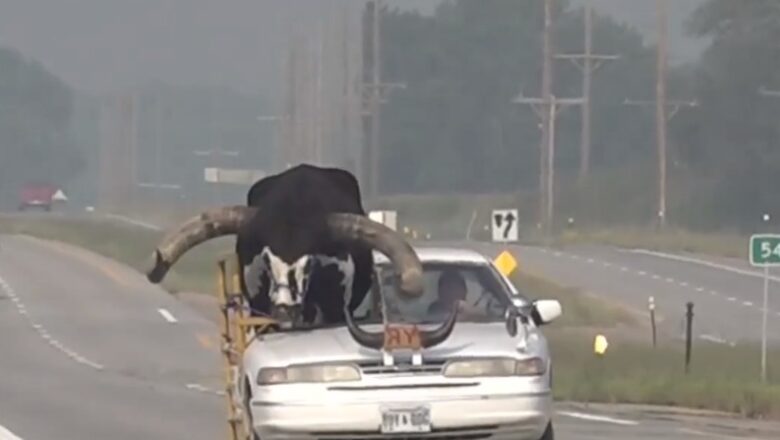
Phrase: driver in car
x=451 y=292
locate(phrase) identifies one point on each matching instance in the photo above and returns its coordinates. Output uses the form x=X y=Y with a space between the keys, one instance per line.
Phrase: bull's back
x=308 y=189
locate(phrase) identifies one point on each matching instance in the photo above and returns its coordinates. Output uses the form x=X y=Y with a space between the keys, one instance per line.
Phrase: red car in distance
x=36 y=195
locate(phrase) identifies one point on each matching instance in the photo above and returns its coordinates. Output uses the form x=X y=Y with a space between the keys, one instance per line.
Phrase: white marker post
x=765 y=252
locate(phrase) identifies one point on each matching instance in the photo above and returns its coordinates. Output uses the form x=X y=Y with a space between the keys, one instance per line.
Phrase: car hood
x=336 y=344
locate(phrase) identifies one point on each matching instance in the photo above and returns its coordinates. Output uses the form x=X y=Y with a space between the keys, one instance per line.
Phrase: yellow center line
x=204 y=340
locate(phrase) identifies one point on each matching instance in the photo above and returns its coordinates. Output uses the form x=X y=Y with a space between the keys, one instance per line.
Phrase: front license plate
x=401 y=421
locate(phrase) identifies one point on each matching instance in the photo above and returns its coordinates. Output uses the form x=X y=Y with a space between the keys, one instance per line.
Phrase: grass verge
x=127 y=244
x=632 y=371
x=674 y=240
x=720 y=377
x=579 y=308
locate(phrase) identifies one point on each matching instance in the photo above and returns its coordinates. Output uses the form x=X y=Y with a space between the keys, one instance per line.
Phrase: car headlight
x=495 y=367
x=308 y=373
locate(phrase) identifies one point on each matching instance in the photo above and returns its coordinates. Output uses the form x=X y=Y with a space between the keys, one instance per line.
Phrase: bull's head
x=341 y=227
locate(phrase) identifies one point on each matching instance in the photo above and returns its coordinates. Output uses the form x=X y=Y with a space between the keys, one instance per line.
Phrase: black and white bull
x=305 y=245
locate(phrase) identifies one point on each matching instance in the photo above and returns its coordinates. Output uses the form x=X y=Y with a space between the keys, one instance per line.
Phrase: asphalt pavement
x=727 y=294
x=90 y=350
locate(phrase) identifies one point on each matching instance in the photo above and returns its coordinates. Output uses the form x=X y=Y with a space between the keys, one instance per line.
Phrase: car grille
x=439 y=434
x=377 y=368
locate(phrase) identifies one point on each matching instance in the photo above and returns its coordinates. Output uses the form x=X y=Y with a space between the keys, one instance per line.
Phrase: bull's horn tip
x=412 y=283
x=157 y=269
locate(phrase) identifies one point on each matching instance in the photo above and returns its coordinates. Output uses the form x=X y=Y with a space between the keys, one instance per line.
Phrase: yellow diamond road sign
x=505 y=263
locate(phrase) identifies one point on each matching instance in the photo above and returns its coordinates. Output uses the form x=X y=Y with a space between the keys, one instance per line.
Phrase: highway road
x=727 y=294
x=89 y=349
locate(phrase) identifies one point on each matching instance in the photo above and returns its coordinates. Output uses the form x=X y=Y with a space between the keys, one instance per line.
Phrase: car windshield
x=484 y=294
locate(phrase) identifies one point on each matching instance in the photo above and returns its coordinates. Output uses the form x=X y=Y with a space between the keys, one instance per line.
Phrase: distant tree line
x=455 y=128
x=36 y=142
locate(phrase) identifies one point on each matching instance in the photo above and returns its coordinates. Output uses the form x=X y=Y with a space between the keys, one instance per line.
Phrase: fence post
x=688 y=334
x=651 y=306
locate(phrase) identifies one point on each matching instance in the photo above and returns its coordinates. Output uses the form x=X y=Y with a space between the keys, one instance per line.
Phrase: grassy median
x=631 y=371
x=672 y=240
x=127 y=244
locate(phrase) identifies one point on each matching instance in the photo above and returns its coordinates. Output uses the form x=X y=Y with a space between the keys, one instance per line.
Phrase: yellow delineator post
x=235 y=322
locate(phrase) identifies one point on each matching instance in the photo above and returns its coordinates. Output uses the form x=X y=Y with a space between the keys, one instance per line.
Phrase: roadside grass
x=126 y=244
x=673 y=240
x=632 y=371
x=579 y=308
x=720 y=377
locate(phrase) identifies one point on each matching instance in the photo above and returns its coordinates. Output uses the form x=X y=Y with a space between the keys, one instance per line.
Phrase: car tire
x=548 y=432
x=248 y=422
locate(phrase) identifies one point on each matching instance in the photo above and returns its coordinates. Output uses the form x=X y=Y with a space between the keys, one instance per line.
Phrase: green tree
x=455 y=128
x=35 y=137
x=732 y=140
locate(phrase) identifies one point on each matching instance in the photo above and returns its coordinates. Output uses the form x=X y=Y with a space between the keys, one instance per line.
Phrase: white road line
x=656 y=277
x=670 y=280
x=641 y=272
x=5 y=434
x=683 y=283
x=607 y=264
x=747 y=303
x=135 y=222
x=557 y=254
x=713 y=293
x=700 y=289
x=167 y=315
x=624 y=269
x=724 y=267
x=596 y=418
x=731 y=299
x=201 y=388
x=714 y=339
x=590 y=260
x=41 y=330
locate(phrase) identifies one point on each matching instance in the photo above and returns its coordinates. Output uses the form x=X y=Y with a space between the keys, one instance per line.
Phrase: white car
x=481 y=382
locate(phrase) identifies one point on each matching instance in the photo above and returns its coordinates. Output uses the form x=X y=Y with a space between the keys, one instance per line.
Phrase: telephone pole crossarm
x=577 y=60
x=675 y=106
x=763 y=91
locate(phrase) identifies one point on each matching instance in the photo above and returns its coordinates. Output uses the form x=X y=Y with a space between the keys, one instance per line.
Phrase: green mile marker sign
x=765 y=250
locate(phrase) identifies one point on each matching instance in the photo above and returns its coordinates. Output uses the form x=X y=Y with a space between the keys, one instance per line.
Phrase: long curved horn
x=377 y=340
x=198 y=229
x=355 y=227
x=362 y=337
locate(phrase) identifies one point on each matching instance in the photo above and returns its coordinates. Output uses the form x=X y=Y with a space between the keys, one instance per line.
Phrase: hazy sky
x=100 y=45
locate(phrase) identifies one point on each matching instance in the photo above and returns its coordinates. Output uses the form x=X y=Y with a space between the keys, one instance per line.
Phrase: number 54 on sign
x=765 y=250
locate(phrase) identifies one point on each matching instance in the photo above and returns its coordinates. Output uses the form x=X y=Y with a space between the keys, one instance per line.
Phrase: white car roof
x=440 y=254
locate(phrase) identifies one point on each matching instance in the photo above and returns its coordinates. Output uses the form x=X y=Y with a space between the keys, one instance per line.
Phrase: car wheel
x=548 y=432
x=246 y=414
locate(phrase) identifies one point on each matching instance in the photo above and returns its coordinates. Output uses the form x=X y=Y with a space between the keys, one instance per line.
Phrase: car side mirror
x=546 y=311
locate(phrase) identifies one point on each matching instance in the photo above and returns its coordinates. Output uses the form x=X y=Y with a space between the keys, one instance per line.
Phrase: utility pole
x=588 y=63
x=547 y=77
x=660 y=108
x=548 y=110
x=661 y=104
x=374 y=91
x=318 y=157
